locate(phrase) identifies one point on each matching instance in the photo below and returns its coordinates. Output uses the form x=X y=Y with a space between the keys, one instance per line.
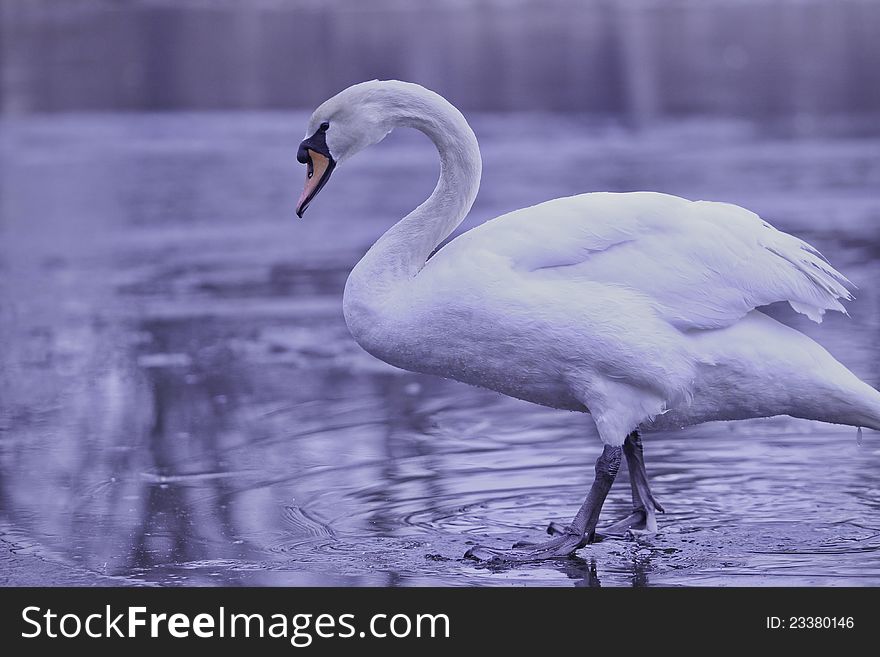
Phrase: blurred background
x=639 y=59
x=180 y=401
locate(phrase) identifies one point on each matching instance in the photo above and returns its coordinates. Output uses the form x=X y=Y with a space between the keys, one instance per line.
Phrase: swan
x=640 y=309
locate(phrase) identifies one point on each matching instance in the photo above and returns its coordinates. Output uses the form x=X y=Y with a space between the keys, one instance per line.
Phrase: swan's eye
x=324 y=127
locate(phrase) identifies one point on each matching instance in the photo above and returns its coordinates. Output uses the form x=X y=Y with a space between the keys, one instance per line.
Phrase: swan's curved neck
x=398 y=256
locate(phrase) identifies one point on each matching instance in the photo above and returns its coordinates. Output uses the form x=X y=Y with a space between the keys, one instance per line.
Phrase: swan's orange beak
x=318 y=170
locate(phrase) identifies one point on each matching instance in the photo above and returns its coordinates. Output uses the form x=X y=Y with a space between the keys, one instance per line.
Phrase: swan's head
x=342 y=126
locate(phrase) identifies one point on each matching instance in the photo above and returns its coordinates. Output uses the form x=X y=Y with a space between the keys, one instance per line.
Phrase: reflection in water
x=181 y=401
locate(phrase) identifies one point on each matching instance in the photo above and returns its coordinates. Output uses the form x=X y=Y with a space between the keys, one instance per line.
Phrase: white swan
x=638 y=308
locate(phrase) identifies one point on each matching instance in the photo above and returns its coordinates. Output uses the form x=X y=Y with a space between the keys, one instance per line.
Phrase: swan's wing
x=699 y=264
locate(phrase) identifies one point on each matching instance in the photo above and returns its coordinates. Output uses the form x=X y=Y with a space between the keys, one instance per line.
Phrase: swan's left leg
x=582 y=529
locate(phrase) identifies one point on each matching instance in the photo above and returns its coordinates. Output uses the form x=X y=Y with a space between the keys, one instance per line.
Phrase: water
x=181 y=403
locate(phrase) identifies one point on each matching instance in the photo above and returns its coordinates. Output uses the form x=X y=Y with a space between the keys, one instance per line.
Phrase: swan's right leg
x=643 y=516
x=580 y=532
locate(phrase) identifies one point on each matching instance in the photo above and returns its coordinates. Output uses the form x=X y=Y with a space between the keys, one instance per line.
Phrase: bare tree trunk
x=14 y=97
x=637 y=66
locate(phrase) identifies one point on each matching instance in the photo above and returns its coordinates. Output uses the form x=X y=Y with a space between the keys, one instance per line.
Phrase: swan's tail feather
x=870 y=416
x=874 y=422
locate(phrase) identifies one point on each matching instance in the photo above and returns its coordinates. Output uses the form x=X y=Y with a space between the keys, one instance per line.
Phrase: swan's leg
x=582 y=529
x=643 y=516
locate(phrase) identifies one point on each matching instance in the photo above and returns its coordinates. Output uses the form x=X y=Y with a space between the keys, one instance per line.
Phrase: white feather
x=701 y=264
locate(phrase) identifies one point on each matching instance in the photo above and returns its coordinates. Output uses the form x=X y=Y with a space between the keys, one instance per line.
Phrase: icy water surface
x=181 y=403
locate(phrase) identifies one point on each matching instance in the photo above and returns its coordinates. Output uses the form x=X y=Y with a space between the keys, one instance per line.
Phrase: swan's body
x=639 y=308
x=552 y=306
